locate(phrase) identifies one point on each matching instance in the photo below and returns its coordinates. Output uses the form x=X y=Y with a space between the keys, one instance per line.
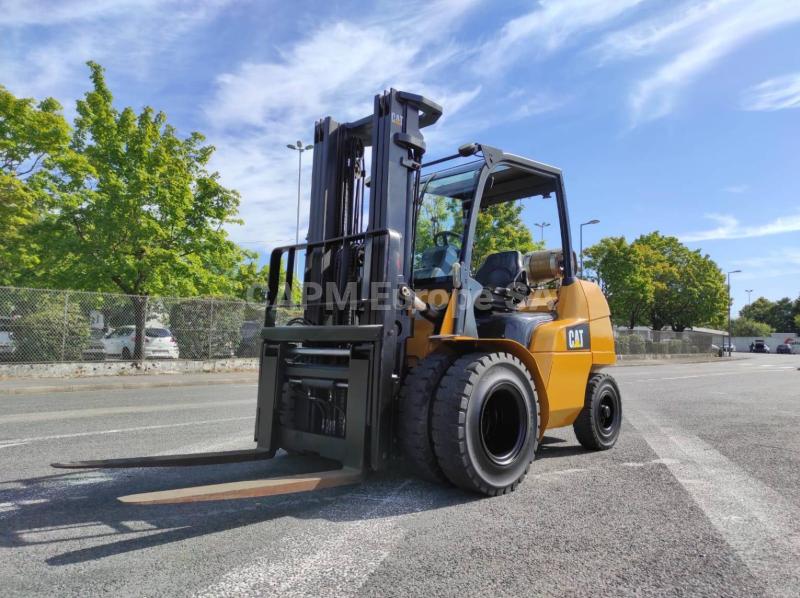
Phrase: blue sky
x=677 y=116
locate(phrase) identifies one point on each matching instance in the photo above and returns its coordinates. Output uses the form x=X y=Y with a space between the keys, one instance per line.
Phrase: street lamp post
x=748 y=291
x=541 y=226
x=730 y=332
x=594 y=221
x=299 y=148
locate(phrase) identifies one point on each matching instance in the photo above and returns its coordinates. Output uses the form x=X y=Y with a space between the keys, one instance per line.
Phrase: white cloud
x=779 y=93
x=44 y=13
x=545 y=29
x=533 y=103
x=645 y=37
x=780 y=263
x=729 y=227
x=335 y=70
x=695 y=38
x=123 y=36
x=737 y=189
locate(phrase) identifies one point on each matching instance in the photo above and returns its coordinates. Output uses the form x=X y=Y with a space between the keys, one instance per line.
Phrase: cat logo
x=578 y=338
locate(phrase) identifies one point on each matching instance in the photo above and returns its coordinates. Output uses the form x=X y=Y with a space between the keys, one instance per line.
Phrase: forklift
x=400 y=346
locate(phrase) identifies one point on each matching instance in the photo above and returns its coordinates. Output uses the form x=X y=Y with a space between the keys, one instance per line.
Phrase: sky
x=682 y=117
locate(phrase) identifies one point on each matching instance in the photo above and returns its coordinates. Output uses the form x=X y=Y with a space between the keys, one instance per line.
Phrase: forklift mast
x=330 y=380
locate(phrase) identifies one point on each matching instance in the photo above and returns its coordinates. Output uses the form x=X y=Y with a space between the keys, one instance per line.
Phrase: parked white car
x=8 y=345
x=158 y=343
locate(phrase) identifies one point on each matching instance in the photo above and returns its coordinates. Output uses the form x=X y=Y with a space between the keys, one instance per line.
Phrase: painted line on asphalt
x=710 y=375
x=96 y=387
x=101 y=411
x=760 y=525
x=18 y=441
x=336 y=557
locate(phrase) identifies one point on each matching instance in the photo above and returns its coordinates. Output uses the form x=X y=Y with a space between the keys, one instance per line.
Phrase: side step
x=172 y=460
x=304 y=482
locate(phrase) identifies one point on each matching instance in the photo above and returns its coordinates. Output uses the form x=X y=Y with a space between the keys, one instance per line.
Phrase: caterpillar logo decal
x=578 y=338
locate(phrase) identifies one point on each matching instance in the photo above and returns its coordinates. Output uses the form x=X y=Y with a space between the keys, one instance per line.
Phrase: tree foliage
x=51 y=331
x=780 y=315
x=747 y=327
x=624 y=278
x=134 y=207
x=689 y=287
x=499 y=227
x=30 y=133
x=659 y=281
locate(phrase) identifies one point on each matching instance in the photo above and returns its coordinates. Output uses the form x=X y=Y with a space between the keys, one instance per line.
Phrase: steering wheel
x=440 y=239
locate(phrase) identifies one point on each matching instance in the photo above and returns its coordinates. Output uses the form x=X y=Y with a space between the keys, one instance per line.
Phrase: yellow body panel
x=560 y=373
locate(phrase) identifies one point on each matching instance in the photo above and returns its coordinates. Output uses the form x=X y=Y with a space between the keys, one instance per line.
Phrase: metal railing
x=49 y=326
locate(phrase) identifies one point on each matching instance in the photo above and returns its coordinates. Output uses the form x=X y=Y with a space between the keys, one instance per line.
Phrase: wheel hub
x=503 y=424
x=606 y=413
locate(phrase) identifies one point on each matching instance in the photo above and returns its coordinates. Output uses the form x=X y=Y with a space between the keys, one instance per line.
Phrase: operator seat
x=500 y=269
x=497 y=275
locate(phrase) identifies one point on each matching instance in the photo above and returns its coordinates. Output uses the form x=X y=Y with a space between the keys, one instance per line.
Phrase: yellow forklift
x=401 y=346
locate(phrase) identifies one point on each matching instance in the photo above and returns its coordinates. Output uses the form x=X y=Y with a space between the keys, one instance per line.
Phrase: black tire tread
x=450 y=410
x=414 y=431
x=583 y=426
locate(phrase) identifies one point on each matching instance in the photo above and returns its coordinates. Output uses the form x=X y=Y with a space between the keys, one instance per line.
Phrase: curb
x=29 y=390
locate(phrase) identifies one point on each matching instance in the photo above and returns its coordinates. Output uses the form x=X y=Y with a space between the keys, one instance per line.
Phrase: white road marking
x=756 y=521
x=18 y=441
x=339 y=557
x=9 y=443
x=710 y=375
x=100 y=411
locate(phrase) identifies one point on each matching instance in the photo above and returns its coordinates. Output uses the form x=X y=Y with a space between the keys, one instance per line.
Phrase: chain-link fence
x=46 y=326
x=660 y=343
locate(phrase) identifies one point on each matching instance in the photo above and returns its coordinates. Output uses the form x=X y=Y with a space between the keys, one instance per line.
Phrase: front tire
x=600 y=420
x=485 y=423
x=414 y=430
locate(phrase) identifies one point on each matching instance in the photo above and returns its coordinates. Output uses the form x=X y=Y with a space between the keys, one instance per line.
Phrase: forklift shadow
x=551 y=446
x=76 y=509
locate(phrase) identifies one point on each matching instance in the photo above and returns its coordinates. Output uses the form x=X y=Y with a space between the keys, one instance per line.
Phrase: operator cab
x=496 y=264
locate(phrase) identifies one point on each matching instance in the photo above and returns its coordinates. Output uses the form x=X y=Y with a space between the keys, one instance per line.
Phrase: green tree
x=659 y=280
x=623 y=277
x=689 y=288
x=758 y=310
x=797 y=323
x=780 y=314
x=746 y=327
x=437 y=213
x=135 y=209
x=29 y=134
x=500 y=228
x=252 y=282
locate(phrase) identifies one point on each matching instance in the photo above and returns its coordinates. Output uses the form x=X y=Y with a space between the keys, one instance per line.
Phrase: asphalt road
x=701 y=496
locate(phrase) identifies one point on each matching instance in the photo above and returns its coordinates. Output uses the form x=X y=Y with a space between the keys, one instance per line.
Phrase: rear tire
x=600 y=420
x=485 y=423
x=414 y=425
